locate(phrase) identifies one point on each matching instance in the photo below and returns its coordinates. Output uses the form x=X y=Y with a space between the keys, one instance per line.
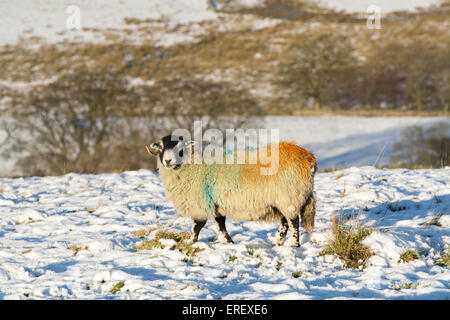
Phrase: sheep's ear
x=154 y=149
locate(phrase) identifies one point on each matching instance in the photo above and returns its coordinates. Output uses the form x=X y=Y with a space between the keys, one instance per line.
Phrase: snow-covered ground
x=42 y=218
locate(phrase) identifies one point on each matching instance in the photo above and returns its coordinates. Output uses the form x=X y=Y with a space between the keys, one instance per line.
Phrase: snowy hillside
x=385 y=5
x=71 y=237
x=47 y=19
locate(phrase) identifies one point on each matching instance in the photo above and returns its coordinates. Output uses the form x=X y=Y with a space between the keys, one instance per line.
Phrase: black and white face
x=171 y=151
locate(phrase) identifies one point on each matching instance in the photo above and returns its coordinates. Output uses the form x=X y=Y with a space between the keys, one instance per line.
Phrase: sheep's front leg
x=196 y=227
x=220 y=222
x=281 y=233
x=293 y=225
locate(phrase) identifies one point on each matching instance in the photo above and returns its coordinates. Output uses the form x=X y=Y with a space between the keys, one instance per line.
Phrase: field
x=79 y=236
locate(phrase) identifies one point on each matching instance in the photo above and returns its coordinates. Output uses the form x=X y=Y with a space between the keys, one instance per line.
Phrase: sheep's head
x=171 y=150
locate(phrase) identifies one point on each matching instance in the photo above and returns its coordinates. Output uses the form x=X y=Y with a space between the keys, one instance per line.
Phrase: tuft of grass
x=346 y=242
x=232 y=258
x=279 y=265
x=77 y=249
x=408 y=256
x=149 y=245
x=143 y=233
x=187 y=248
x=338 y=176
x=117 y=287
x=434 y=221
x=297 y=274
x=252 y=252
x=444 y=261
x=188 y=260
x=343 y=192
x=179 y=237
x=168 y=234
x=403 y=286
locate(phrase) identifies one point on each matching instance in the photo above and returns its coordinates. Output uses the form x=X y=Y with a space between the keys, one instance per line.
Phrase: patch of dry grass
x=76 y=249
x=403 y=286
x=444 y=261
x=408 y=256
x=338 y=176
x=433 y=222
x=346 y=242
x=297 y=274
x=181 y=239
x=143 y=233
x=117 y=287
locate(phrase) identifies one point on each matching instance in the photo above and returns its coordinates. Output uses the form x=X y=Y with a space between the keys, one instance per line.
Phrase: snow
x=48 y=19
x=41 y=218
x=385 y=5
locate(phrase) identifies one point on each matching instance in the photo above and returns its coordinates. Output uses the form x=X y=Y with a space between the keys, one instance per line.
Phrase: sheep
x=238 y=191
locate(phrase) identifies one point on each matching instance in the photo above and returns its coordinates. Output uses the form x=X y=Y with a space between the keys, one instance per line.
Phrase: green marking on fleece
x=209 y=182
x=217 y=181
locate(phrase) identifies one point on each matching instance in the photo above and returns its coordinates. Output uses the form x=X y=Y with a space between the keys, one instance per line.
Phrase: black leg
x=220 y=222
x=293 y=225
x=196 y=227
x=282 y=231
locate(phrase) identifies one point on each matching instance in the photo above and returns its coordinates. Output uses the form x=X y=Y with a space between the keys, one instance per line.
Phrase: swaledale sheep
x=239 y=191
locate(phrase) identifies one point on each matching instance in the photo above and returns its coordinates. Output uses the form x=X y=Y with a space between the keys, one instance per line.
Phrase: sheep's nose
x=168 y=161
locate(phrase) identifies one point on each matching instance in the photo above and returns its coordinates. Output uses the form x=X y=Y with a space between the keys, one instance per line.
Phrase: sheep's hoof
x=294 y=244
x=229 y=240
x=226 y=239
x=192 y=240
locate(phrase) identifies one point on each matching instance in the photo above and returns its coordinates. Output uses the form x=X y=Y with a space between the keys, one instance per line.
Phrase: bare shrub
x=423 y=147
x=315 y=66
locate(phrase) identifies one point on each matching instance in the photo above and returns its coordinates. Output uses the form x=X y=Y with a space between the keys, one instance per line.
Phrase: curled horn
x=148 y=150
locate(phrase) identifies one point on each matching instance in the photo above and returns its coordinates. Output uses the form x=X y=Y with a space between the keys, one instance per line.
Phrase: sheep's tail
x=313 y=164
x=307 y=213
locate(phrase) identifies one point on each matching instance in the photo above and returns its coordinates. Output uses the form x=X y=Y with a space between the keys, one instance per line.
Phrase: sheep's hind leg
x=293 y=225
x=220 y=221
x=308 y=212
x=281 y=233
x=196 y=227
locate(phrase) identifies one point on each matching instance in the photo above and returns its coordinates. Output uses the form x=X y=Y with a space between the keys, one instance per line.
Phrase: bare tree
x=97 y=122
